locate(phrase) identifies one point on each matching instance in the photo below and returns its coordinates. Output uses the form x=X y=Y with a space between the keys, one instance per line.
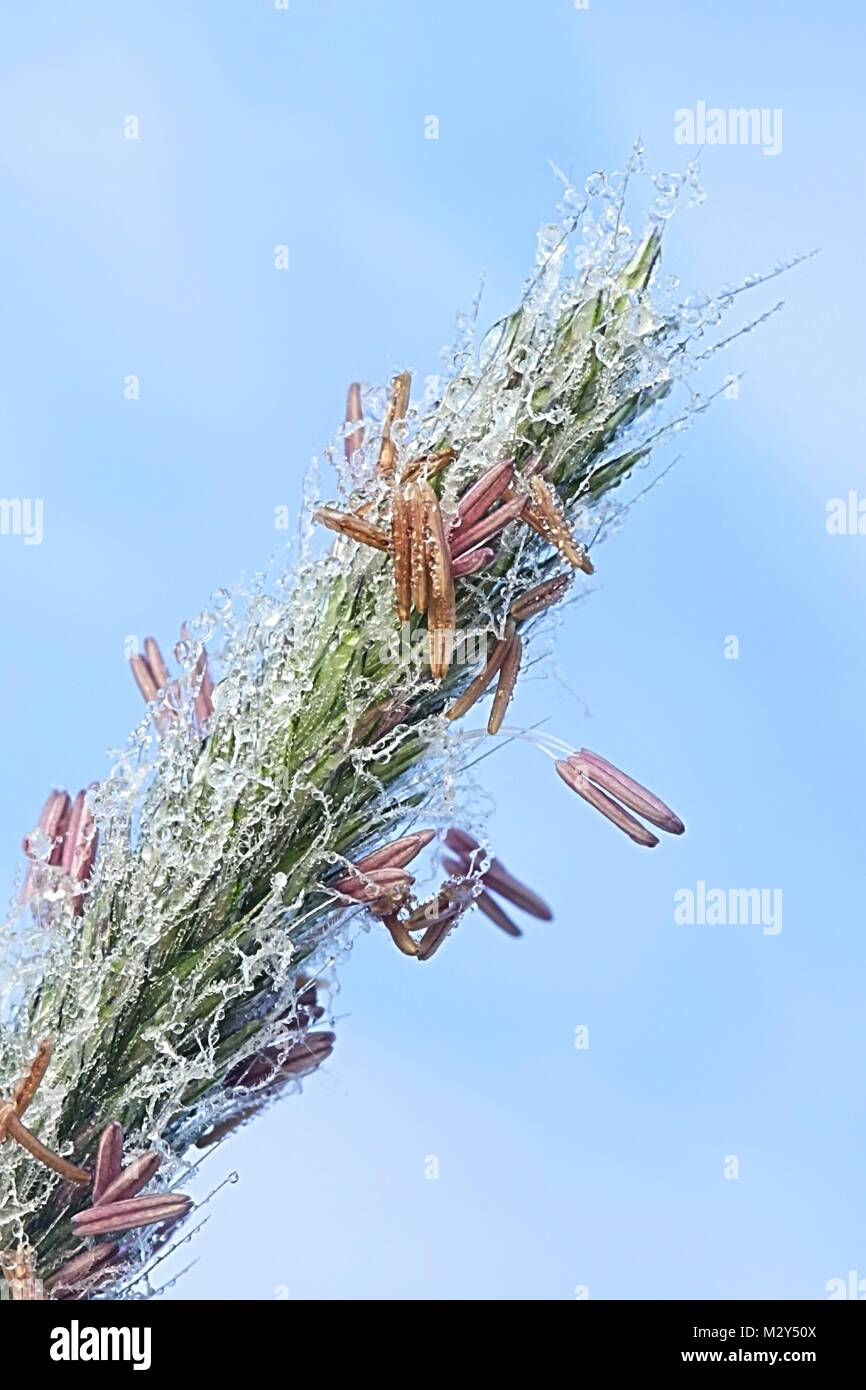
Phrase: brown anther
x=158 y=668
x=19 y=1271
x=354 y=527
x=417 y=550
x=539 y=598
x=474 y=691
x=73 y=831
x=428 y=465
x=203 y=701
x=380 y=889
x=544 y=516
x=79 y=846
x=144 y=678
x=354 y=413
x=481 y=496
x=224 y=1127
x=53 y=819
x=437 y=917
x=109 y=1159
x=150 y=1209
x=377 y=721
x=440 y=614
x=400 y=936
x=307 y=988
x=389 y=720
x=428 y=913
x=152 y=678
x=401 y=553
x=268 y=1069
x=366 y=722
x=398 y=853
x=11 y=1126
x=83 y=1272
x=437 y=932
x=471 y=857
x=490 y=907
x=473 y=561
x=398 y=404
x=130 y=1180
x=27 y=1088
x=505 y=687
x=463 y=538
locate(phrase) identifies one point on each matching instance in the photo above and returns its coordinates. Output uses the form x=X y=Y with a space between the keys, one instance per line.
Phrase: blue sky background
x=558 y=1168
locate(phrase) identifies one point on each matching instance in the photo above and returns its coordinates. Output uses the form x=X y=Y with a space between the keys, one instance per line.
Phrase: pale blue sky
x=558 y=1168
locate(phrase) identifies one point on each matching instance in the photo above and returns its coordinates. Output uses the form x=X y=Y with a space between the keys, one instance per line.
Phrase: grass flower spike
x=287 y=781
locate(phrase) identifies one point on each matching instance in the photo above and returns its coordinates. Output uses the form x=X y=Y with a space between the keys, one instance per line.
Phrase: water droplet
x=39 y=845
x=693 y=307
x=202 y=626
